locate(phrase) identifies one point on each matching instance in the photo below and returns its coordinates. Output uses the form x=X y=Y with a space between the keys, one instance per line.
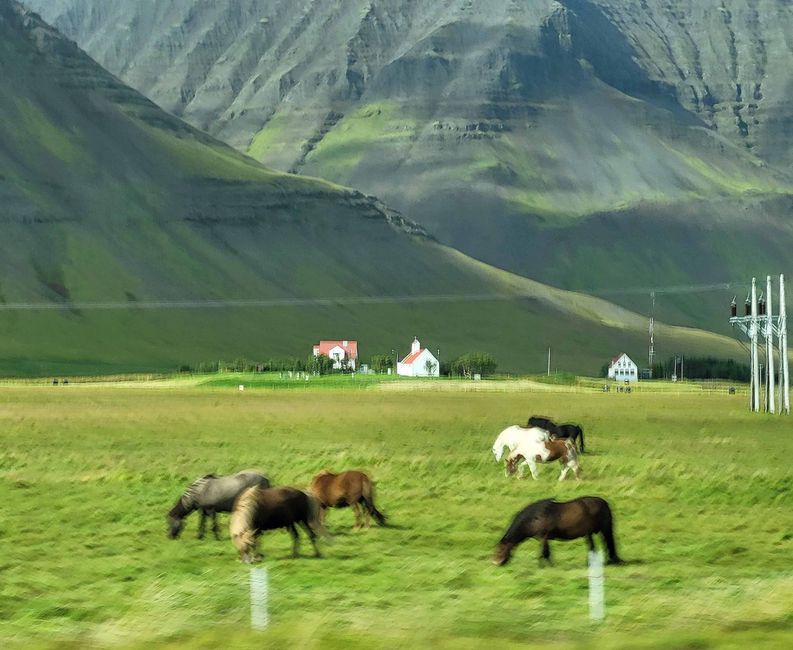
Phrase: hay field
x=701 y=490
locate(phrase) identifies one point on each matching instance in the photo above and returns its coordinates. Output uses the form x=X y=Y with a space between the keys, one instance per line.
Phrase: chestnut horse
x=545 y=451
x=258 y=509
x=548 y=519
x=351 y=488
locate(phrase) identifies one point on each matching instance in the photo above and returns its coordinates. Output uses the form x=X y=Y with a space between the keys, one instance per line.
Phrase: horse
x=512 y=436
x=565 y=431
x=266 y=508
x=548 y=519
x=211 y=494
x=351 y=488
x=545 y=451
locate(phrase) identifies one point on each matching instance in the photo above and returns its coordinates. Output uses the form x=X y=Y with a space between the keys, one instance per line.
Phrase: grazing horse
x=211 y=494
x=565 y=431
x=351 y=488
x=548 y=519
x=545 y=451
x=258 y=509
x=512 y=436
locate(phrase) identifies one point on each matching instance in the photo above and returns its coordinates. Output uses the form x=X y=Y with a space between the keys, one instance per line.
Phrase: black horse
x=210 y=495
x=573 y=432
x=549 y=519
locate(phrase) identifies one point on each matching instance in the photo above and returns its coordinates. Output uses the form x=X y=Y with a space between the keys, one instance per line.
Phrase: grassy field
x=701 y=491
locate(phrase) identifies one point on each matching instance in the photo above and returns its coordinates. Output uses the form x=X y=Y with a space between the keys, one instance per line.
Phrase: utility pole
x=651 y=354
x=784 y=402
x=769 y=347
x=762 y=322
x=754 y=360
x=549 y=360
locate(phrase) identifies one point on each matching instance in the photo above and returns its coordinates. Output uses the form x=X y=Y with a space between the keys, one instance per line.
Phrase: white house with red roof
x=419 y=363
x=344 y=354
x=622 y=368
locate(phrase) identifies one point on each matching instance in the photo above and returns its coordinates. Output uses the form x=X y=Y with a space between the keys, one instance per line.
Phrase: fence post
x=597 y=606
x=260 y=617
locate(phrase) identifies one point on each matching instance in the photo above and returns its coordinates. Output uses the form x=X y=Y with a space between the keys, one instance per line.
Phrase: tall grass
x=701 y=491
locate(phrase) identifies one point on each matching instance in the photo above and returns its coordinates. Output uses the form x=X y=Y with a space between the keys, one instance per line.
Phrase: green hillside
x=106 y=198
x=591 y=144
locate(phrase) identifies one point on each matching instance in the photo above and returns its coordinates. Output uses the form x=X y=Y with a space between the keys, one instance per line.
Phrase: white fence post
x=260 y=616
x=597 y=606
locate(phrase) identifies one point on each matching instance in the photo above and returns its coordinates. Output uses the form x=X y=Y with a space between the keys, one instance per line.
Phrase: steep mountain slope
x=592 y=144
x=104 y=198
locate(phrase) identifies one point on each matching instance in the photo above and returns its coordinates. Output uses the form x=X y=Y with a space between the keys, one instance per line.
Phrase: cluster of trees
x=703 y=368
x=468 y=365
x=320 y=364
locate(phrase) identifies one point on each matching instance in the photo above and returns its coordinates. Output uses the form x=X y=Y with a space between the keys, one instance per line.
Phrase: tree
x=381 y=363
x=429 y=366
x=320 y=364
x=474 y=363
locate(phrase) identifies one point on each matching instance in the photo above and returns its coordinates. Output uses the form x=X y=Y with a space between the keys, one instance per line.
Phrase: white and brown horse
x=546 y=451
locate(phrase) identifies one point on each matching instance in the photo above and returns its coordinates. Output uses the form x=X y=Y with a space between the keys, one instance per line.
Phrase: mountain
x=590 y=144
x=131 y=241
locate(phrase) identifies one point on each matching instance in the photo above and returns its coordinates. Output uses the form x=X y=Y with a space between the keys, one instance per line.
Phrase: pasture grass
x=701 y=491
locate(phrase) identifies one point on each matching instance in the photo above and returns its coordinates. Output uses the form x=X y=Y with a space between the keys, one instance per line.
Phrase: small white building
x=419 y=363
x=344 y=354
x=622 y=368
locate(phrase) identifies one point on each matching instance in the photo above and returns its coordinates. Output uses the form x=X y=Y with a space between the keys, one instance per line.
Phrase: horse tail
x=241 y=522
x=607 y=531
x=314 y=516
x=367 y=494
x=580 y=432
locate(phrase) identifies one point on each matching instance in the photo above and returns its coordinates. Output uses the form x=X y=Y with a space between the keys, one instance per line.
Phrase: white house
x=419 y=363
x=342 y=353
x=623 y=369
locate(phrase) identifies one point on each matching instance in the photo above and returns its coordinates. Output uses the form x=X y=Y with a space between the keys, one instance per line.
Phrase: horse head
x=175 y=525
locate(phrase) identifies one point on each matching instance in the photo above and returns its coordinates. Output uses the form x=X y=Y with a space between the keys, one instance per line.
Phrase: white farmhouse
x=419 y=363
x=344 y=354
x=623 y=369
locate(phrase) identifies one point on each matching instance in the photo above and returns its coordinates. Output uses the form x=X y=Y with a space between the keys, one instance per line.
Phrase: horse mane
x=531 y=512
x=241 y=522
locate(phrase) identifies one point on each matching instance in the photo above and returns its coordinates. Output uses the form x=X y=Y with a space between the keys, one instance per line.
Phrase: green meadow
x=700 y=488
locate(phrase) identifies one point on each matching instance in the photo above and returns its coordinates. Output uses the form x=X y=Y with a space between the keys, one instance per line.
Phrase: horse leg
x=215 y=528
x=312 y=536
x=356 y=508
x=202 y=524
x=532 y=468
x=295 y=540
x=565 y=469
x=367 y=520
x=590 y=542
x=545 y=554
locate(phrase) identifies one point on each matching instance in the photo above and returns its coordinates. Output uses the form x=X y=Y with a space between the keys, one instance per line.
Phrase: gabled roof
x=413 y=356
x=351 y=349
x=618 y=357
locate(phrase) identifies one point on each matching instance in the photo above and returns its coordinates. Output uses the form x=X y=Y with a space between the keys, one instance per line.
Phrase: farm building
x=622 y=368
x=344 y=354
x=419 y=363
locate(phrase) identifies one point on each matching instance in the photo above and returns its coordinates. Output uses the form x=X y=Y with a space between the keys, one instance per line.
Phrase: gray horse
x=209 y=495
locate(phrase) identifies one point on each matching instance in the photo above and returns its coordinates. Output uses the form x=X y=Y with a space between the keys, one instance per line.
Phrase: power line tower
x=759 y=321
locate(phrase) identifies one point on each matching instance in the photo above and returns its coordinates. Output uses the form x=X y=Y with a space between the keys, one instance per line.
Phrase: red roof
x=413 y=356
x=617 y=358
x=351 y=349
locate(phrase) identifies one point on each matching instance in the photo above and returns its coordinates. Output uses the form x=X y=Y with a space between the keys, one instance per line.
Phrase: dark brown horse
x=548 y=519
x=564 y=431
x=258 y=509
x=351 y=488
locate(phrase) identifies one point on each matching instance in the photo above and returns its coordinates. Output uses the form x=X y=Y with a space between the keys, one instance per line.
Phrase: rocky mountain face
x=112 y=210
x=592 y=144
